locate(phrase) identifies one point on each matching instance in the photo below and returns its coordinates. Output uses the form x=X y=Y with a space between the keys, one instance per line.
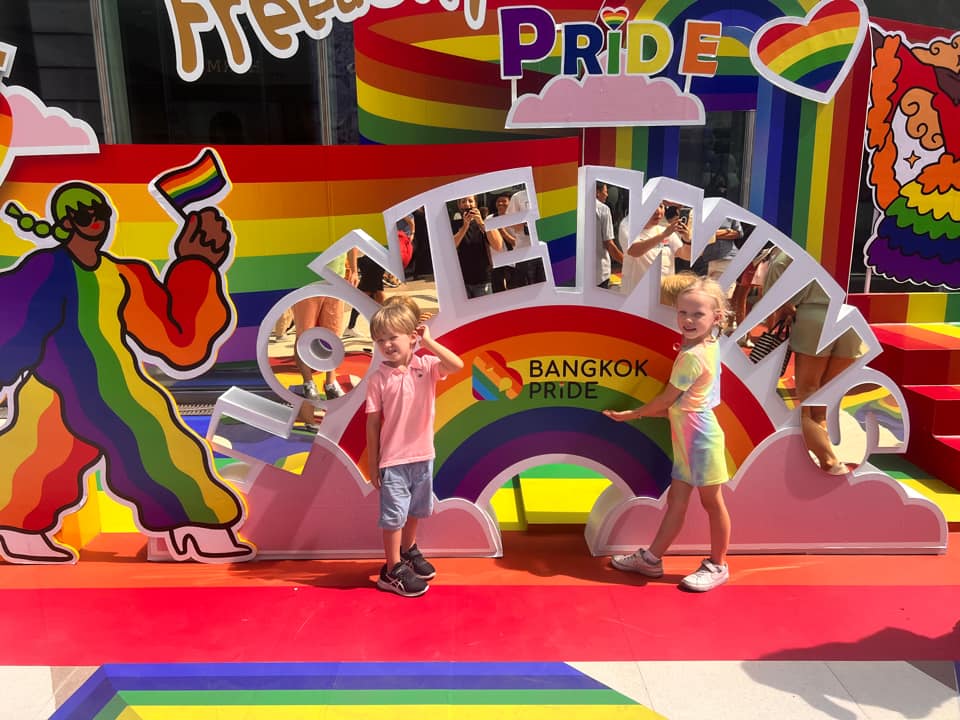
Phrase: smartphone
x=685 y=214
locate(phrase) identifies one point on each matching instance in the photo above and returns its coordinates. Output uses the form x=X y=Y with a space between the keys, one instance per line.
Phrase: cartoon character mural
x=80 y=322
x=913 y=135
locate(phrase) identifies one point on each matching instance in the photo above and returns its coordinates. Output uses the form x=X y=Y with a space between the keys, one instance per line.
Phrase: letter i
x=613 y=52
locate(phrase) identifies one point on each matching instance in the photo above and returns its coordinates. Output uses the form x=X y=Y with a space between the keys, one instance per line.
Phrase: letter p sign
x=515 y=22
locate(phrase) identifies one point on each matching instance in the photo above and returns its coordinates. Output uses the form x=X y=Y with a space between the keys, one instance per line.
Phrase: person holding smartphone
x=474 y=244
x=681 y=258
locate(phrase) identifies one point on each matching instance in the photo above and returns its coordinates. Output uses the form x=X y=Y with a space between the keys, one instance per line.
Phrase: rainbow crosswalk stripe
x=202 y=179
x=281 y=691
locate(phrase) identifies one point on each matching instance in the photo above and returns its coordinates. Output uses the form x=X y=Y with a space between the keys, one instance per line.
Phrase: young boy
x=400 y=409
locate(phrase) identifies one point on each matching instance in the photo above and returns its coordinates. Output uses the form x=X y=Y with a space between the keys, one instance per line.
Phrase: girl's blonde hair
x=712 y=289
x=396 y=316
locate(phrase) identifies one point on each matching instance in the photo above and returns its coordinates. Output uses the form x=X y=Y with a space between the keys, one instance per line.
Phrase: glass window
x=305 y=99
x=55 y=54
x=712 y=155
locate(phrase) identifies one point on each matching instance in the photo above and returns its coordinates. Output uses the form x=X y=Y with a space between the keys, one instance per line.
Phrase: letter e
x=701 y=43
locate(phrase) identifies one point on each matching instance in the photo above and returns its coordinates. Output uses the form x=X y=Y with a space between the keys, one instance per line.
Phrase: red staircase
x=924 y=360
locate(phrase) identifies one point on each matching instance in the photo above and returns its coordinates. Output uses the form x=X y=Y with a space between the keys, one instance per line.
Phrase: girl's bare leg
x=711 y=497
x=678 y=498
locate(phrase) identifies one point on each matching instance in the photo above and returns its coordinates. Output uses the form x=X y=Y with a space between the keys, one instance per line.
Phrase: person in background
x=656 y=237
x=607 y=248
x=501 y=277
x=527 y=272
x=805 y=313
x=325 y=312
x=474 y=244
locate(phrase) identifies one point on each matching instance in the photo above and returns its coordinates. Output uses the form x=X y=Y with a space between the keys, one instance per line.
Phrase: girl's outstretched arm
x=655 y=408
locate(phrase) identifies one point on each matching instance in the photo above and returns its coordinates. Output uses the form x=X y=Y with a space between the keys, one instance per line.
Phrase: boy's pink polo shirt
x=406 y=398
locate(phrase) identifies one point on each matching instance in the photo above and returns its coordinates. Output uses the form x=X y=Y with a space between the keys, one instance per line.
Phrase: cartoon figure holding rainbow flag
x=80 y=322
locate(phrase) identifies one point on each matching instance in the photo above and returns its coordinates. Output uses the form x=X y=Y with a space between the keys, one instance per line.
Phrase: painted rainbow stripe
x=334 y=691
x=198 y=181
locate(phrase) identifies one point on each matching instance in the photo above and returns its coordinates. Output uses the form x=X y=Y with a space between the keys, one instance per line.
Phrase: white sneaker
x=310 y=391
x=708 y=576
x=638 y=563
x=350 y=333
x=333 y=390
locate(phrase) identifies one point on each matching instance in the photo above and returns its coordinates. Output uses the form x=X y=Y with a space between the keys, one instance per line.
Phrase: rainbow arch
x=471 y=452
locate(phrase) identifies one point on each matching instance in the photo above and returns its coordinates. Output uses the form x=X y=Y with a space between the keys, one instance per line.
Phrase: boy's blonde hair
x=712 y=289
x=404 y=300
x=672 y=285
x=396 y=316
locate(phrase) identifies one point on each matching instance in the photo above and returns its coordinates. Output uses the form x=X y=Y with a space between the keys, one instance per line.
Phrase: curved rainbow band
x=537 y=432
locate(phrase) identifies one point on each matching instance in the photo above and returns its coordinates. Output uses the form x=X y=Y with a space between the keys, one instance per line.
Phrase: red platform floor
x=546 y=600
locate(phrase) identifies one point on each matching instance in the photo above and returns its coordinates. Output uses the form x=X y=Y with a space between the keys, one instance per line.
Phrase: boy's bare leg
x=408 y=537
x=711 y=497
x=391 y=547
x=678 y=497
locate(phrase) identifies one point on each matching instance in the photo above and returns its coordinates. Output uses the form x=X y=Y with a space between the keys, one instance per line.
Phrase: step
x=938 y=492
x=919 y=354
x=937 y=454
x=934 y=409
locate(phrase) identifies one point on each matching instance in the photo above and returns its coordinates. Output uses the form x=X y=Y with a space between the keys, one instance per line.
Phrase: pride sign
x=582 y=43
x=605 y=69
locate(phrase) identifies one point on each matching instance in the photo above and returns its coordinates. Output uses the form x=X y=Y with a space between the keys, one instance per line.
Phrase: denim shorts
x=405 y=490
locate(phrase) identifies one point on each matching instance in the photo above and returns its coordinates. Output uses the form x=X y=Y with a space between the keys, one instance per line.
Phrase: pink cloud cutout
x=329 y=511
x=606 y=100
x=42 y=130
x=782 y=502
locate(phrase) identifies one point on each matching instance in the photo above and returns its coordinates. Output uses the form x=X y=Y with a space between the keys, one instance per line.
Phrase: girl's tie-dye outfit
x=698 y=443
x=66 y=342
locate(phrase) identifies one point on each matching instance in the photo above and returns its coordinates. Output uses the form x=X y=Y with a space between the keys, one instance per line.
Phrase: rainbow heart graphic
x=613 y=18
x=811 y=56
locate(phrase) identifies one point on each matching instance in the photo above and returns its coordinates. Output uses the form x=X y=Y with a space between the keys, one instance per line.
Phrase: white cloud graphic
x=42 y=130
x=605 y=101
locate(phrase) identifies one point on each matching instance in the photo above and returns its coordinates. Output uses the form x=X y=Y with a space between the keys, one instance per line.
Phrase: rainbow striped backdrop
x=424 y=77
x=288 y=204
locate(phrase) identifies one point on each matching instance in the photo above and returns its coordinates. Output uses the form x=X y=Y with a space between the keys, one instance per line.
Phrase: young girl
x=698 y=446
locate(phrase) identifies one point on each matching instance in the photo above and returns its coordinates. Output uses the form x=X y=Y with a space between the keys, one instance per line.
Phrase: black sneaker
x=401 y=580
x=418 y=563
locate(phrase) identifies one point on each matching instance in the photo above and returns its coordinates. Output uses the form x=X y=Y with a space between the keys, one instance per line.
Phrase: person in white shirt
x=607 y=248
x=528 y=272
x=641 y=252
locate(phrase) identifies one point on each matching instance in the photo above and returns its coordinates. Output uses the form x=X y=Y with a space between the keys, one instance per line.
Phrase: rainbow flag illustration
x=202 y=179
